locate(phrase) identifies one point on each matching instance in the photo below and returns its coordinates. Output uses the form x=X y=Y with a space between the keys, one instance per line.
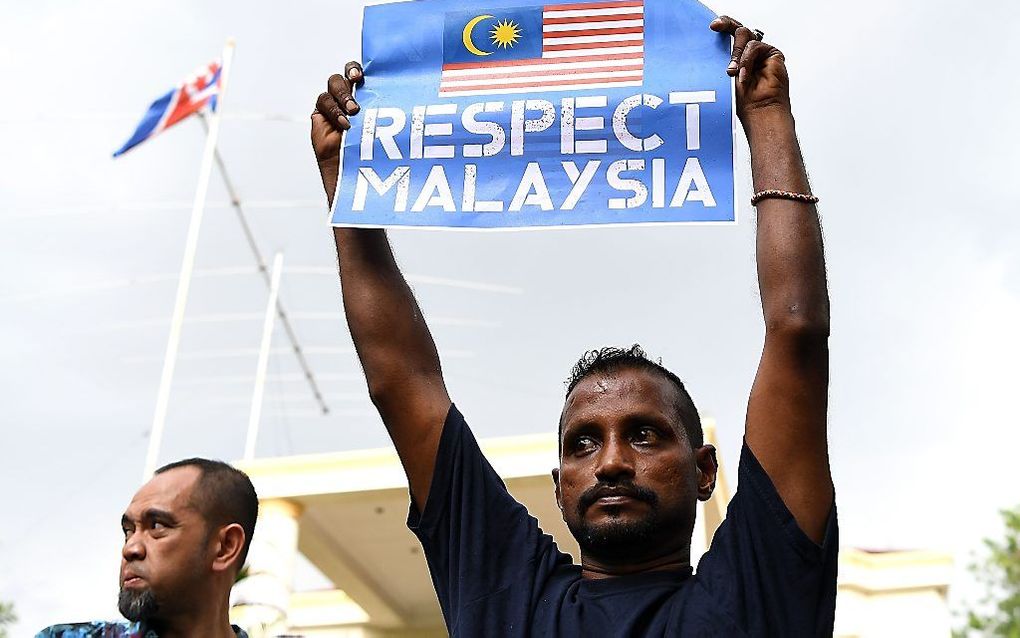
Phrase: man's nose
x=615 y=462
x=134 y=548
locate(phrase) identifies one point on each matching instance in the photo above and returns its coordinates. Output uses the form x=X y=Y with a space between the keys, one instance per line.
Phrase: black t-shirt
x=497 y=574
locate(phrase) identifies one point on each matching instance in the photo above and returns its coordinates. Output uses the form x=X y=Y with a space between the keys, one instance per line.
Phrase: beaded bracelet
x=778 y=194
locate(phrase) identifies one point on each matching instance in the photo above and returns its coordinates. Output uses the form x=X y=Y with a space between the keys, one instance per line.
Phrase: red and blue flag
x=191 y=96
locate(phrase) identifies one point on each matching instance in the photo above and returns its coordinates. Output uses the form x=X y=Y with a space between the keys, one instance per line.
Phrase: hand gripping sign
x=511 y=114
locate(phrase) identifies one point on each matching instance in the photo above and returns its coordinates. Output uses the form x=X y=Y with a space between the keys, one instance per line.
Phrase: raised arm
x=786 y=412
x=393 y=342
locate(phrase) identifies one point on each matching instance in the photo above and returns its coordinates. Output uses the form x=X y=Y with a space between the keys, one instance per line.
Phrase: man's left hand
x=760 y=69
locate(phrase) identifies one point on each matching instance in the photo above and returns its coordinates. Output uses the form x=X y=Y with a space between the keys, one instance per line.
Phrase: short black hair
x=224 y=495
x=610 y=359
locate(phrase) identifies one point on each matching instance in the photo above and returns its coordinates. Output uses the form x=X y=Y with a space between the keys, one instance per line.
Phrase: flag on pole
x=191 y=96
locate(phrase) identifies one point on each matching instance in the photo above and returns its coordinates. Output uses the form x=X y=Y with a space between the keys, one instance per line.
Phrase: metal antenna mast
x=235 y=202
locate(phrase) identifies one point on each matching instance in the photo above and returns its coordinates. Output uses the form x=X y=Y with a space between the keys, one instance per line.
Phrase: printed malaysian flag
x=545 y=48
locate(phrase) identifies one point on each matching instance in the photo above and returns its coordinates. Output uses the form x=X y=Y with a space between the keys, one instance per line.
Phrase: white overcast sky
x=904 y=112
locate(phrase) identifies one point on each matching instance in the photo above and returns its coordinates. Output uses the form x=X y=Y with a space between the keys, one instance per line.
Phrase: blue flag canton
x=492 y=35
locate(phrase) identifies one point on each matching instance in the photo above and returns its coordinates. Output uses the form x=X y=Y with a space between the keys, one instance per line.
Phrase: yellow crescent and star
x=505 y=34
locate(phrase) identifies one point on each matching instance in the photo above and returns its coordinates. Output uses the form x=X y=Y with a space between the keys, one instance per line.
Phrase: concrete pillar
x=260 y=602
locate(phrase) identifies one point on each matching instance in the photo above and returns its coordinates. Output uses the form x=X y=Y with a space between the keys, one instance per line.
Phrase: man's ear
x=556 y=482
x=229 y=544
x=708 y=469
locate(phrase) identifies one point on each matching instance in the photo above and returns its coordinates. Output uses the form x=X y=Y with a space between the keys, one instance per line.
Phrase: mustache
x=625 y=488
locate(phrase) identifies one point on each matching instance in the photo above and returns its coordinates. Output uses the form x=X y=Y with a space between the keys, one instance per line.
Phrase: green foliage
x=998 y=613
x=7 y=617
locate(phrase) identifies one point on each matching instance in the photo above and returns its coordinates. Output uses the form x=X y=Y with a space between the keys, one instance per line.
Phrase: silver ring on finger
x=758 y=34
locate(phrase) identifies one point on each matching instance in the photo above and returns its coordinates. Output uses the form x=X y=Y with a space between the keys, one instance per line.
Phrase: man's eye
x=584 y=444
x=646 y=435
x=158 y=526
x=127 y=531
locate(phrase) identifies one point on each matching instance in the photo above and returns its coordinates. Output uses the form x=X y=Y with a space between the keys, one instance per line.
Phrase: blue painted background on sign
x=404 y=48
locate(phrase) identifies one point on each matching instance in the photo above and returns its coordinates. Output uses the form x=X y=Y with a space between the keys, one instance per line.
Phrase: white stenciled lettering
x=435 y=192
x=470 y=202
x=519 y=124
x=592 y=123
x=580 y=181
x=532 y=190
x=417 y=132
x=420 y=130
x=658 y=183
x=372 y=130
x=621 y=184
x=570 y=123
x=693 y=100
x=428 y=137
x=693 y=176
x=492 y=129
x=567 y=126
x=622 y=130
x=400 y=177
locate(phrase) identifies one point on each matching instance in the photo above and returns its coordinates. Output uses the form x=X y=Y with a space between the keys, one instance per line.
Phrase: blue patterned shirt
x=101 y=629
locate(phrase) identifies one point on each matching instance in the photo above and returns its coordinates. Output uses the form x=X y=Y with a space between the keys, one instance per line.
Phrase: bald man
x=186 y=536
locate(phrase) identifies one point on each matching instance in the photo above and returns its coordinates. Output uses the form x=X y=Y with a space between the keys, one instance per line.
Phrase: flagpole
x=187 y=267
x=260 y=371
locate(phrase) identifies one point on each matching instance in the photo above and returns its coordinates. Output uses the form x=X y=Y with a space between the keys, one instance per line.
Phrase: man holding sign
x=633 y=464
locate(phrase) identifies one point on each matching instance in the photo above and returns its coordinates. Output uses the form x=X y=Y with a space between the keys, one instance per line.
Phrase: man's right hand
x=330 y=120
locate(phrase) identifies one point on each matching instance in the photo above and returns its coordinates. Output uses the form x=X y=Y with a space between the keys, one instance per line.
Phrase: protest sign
x=510 y=114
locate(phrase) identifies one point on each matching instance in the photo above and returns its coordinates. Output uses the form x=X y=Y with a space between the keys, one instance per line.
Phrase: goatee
x=617 y=538
x=137 y=605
